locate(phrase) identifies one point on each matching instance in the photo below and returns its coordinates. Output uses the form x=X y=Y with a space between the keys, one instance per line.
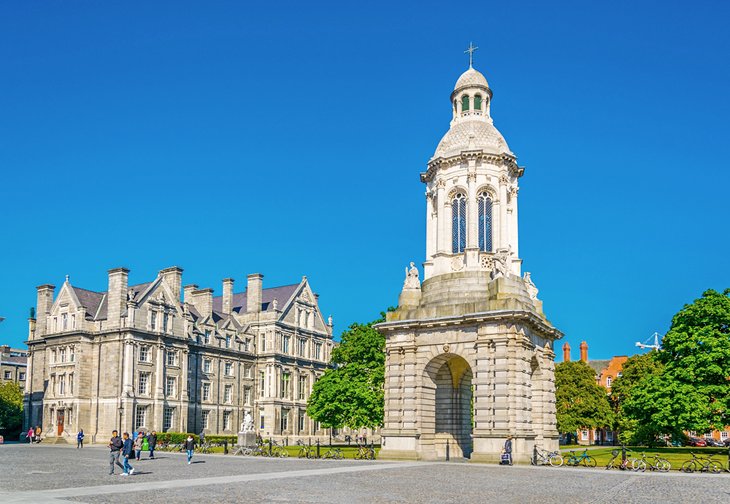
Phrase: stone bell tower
x=469 y=352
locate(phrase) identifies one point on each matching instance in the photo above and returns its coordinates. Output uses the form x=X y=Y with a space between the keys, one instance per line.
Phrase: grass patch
x=676 y=455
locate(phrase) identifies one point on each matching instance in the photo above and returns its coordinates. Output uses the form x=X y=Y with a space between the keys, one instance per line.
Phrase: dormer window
x=64 y=321
x=465 y=103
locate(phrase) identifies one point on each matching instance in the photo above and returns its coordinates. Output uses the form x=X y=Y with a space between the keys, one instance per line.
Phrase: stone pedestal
x=247 y=439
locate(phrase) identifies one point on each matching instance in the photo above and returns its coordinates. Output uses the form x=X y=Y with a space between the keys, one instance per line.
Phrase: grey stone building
x=140 y=357
x=469 y=353
x=13 y=365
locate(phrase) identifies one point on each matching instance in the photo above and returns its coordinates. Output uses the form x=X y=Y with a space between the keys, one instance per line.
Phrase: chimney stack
x=188 y=293
x=203 y=301
x=116 y=296
x=173 y=278
x=254 y=292
x=566 y=352
x=44 y=301
x=584 y=351
x=227 y=295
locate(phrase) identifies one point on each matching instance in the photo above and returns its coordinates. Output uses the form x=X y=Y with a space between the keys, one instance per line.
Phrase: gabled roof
x=598 y=365
x=96 y=303
x=281 y=294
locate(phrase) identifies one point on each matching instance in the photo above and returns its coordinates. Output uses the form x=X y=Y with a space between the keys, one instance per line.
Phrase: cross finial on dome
x=472 y=48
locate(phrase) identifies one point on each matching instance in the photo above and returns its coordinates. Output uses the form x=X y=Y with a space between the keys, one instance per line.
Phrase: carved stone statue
x=412 y=281
x=131 y=295
x=500 y=265
x=247 y=425
x=329 y=320
x=531 y=288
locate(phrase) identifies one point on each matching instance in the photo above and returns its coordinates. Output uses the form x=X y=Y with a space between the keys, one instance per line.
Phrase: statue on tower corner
x=412 y=281
x=501 y=268
x=531 y=288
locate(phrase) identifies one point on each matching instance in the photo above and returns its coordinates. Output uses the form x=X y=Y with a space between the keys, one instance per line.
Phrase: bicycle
x=701 y=464
x=205 y=448
x=306 y=451
x=544 y=457
x=654 y=463
x=334 y=453
x=583 y=459
x=616 y=463
x=365 y=452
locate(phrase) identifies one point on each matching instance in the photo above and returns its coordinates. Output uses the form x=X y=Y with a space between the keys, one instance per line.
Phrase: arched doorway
x=447 y=394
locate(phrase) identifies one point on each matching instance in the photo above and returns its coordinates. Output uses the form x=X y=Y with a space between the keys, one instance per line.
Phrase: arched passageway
x=448 y=406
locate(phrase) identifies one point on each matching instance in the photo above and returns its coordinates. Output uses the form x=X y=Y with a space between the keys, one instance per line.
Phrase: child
x=190 y=446
x=138 y=445
x=80 y=439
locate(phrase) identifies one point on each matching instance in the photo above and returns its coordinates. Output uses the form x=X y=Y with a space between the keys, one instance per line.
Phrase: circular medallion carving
x=447 y=348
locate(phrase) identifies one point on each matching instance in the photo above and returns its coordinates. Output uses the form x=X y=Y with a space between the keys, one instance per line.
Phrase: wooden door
x=60 y=414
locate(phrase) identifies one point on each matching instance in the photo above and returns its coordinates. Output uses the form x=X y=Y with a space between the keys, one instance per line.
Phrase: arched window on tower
x=485 y=222
x=458 y=223
x=465 y=103
x=477 y=102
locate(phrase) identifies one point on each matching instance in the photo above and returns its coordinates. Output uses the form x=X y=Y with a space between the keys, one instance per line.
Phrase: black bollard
x=225 y=447
x=270 y=443
x=317 y=447
x=447 y=451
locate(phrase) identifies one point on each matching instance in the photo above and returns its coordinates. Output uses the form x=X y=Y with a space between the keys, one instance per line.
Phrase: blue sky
x=231 y=138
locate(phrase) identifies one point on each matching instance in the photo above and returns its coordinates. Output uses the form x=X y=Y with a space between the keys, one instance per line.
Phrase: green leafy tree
x=635 y=369
x=692 y=392
x=350 y=393
x=580 y=402
x=11 y=407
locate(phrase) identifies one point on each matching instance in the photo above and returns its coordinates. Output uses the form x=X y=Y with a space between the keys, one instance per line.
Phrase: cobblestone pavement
x=56 y=474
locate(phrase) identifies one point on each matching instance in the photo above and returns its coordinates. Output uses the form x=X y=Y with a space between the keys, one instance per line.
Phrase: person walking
x=152 y=442
x=190 y=447
x=507 y=452
x=38 y=432
x=80 y=439
x=31 y=435
x=138 y=445
x=115 y=446
x=127 y=448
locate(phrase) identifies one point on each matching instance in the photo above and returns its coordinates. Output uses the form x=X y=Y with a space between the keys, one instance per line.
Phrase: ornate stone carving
x=446 y=348
x=486 y=262
x=512 y=193
x=131 y=295
x=500 y=264
x=531 y=289
x=247 y=424
x=412 y=281
x=457 y=263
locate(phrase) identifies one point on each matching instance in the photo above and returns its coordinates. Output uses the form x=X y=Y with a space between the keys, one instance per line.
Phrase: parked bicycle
x=365 y=452
x=335 y=454
x=544 y=457
x=583 y=459
x=701 y=464
x=617 y=462
x=653 y=463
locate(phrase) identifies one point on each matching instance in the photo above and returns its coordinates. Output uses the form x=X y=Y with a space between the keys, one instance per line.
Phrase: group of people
x=126 y=448
x=34 y=434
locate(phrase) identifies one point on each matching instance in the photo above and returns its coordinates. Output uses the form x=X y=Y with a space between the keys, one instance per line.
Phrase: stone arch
x=447 y=406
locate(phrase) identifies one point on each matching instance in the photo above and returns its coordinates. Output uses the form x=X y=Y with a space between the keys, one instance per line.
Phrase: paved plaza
x=56 y=474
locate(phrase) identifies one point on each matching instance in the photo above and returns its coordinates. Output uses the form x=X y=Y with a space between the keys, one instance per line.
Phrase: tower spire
x=472 y=48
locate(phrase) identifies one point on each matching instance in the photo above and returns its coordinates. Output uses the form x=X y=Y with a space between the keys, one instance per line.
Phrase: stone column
x=159 y=395
x=442 y=236
x=472 y=224
x=503 y=237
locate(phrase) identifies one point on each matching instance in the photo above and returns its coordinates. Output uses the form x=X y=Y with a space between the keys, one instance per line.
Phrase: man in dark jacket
x=115 y=445
x=508 y=450
x=152 y=442
x=127 y=450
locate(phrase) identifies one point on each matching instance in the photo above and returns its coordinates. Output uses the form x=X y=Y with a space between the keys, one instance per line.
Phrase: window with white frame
x=485 y=222
x=247 y=395
x=171 y=358
x=73 y=323
x=167 y=418
x=165 y=317
x=53 y=357
x=228 y=341
x=206 y=392
x=144 y=353
x=284 y=419
x=608 y=381
x=140 y=417
x=7 y=375
x=724 y=434
x=302 y=346
x=285 y=344
x=228 y=369
x=247 y=345
x=708 y=434
x=71 y=383
x=143 y=385
x=302 y=388
x=318 y=351
x=62 y=355
x=206 y=365
x=285 y=385
x=248 y=371
x=64 y=321
x=71 y=354
x=61 y=385
x=301 y=421
x=228 y=394
x=153 y=320
x=21 y=376
x=206 y=419
x=262 y=383
x=206 y=337
x=170 y=386
x=619 y=374
x=262 y=344
x=227 y=415
x=609 y=435
x=584 y=435
x=458 y=223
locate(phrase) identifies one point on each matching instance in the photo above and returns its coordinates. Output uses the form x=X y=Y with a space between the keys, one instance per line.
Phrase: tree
x=350 y=393
x=634 y=370
x=692 y=392
x=580 y=402
x=11 y=407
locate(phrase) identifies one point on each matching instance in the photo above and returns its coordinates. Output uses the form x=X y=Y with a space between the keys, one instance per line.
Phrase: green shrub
x=218 y=440
x=175 y=437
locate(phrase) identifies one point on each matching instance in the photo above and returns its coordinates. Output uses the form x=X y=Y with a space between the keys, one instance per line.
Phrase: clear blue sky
x=287 y=138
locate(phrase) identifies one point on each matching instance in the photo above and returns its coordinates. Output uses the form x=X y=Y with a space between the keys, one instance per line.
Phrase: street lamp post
x=121 y=410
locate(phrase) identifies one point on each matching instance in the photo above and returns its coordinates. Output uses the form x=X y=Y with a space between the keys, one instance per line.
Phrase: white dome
x=475 y=134
x=471 y=78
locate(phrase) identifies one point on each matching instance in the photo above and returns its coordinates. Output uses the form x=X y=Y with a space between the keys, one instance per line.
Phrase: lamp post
x=121 y=410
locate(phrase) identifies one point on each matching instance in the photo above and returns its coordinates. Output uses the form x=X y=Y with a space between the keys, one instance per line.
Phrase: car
x=713 y=442
x=726 y=442
x=693 y=441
